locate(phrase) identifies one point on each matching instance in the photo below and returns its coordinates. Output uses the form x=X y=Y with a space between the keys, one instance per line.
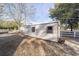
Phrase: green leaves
x=65 y=12
x=8 y=25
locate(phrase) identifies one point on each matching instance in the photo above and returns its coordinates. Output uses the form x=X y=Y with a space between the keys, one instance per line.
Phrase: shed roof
x=43 y=23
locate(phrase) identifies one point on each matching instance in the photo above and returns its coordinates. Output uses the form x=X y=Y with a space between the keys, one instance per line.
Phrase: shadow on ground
x=39 y=47
x=29 y=46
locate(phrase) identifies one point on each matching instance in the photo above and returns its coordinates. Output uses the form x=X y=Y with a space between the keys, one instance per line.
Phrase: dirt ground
x=15 y=45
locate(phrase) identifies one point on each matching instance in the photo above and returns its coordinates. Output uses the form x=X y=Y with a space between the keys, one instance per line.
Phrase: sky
x=42 y=12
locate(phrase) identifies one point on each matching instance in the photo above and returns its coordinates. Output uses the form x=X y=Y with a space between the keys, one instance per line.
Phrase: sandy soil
x=16 y=45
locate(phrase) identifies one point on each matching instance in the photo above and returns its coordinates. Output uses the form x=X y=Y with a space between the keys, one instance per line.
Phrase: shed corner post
x=58 y=30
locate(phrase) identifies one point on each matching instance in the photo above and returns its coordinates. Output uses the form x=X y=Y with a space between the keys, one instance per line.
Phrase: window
x=33 y=29
x=49 y=29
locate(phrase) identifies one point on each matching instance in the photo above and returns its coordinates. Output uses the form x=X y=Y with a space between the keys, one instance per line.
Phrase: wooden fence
x=69 y=34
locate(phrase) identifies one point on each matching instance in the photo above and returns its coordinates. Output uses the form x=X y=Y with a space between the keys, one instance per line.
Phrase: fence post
x=74 y=34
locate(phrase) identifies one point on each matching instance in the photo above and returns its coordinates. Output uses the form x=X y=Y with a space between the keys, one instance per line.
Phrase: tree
x=8 y=24
x=19 y=12
x=67 y=14
x=2 y=6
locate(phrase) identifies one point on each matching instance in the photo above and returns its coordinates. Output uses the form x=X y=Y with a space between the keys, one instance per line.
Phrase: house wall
x=41 y=31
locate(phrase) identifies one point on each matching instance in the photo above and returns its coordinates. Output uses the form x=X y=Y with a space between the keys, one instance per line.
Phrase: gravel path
x=73 y=43
x=12 y=44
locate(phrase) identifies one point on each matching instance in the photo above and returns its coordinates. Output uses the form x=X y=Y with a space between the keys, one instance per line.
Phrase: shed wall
x=41 y=31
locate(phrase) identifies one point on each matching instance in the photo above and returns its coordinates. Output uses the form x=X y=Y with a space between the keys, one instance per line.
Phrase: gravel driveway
x=12 y=44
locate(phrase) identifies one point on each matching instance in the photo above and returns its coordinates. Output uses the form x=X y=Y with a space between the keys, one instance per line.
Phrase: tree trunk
x=18 y=27
x=71 y=28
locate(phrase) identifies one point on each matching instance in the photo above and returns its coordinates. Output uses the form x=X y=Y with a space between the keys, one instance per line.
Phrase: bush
x=8 y=25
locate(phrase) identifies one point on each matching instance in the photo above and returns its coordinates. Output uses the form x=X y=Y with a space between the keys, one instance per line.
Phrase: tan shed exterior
x=41 y=31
